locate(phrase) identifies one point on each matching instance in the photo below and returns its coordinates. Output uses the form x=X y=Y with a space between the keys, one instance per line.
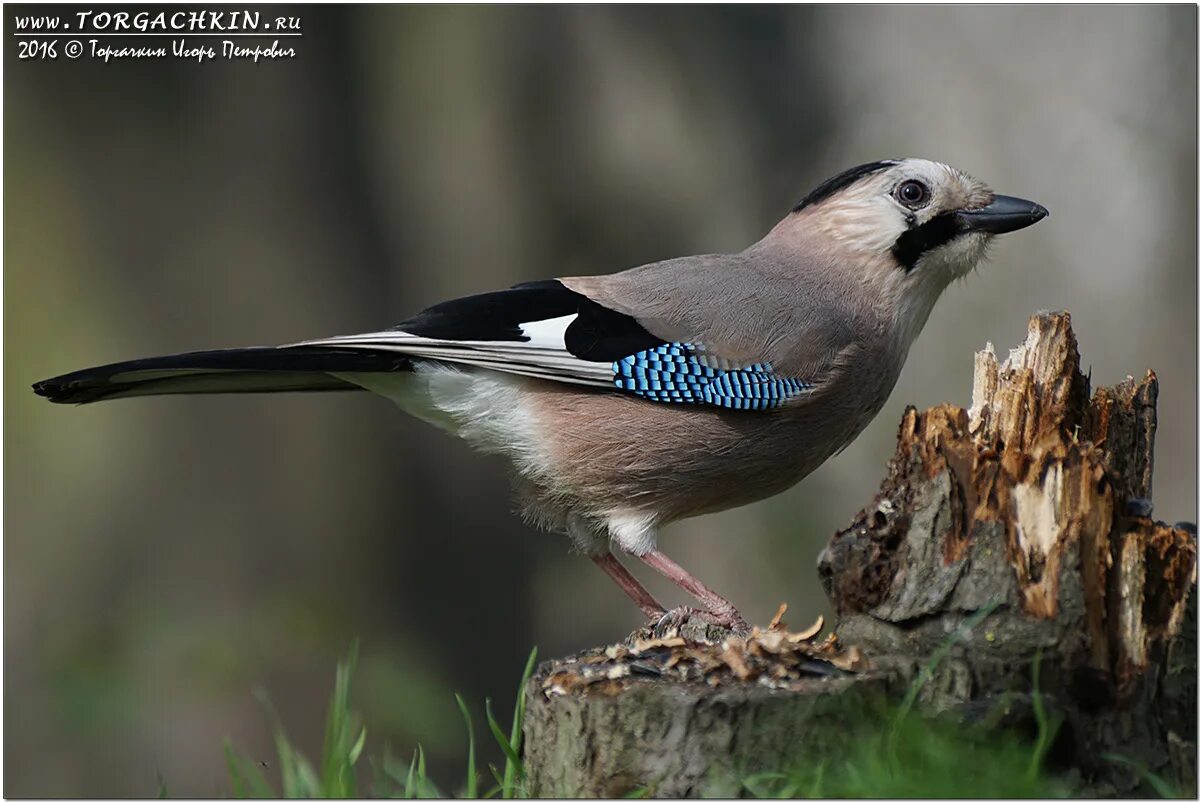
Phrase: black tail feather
x=235 y=370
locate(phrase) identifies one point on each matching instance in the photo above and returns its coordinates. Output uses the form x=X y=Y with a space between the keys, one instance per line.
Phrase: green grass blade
x=1047 y=725
x=814 y=790
x=426 y=788
x=306 y=778
x=927 y=670
x=356 y=750
x=288 y=774
x=410 y=788
x=248 y=781
x=295 y=773
x=472 y=781
x=1161 y=787
x=422 y=778
x=337 y=769
x=499 y=789
x=235 y=774
x=503 y=740
x=259 y=787
x=414 y=784
x=762 y=784
x=939 y=654
x=514 y=768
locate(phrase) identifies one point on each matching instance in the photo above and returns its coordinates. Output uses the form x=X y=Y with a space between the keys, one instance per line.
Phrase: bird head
x=907 y=226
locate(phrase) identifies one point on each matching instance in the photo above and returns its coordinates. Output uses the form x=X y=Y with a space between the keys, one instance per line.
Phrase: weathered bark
x=1038 y=498
x=1034 y=503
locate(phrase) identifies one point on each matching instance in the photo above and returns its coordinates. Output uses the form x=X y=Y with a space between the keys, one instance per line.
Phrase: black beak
x=1003 y=214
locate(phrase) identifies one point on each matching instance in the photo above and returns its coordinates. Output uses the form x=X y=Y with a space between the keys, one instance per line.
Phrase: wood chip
x=657 y=643
x=808 y=634
x=771 y=641
x=731 y=653
x=777 y=621
x=772 y=657
x=849 y=660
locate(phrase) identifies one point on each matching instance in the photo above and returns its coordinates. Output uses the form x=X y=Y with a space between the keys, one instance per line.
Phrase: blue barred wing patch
x=682 y=373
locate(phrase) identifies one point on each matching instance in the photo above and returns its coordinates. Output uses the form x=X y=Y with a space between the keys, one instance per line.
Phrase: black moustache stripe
x=915 y=242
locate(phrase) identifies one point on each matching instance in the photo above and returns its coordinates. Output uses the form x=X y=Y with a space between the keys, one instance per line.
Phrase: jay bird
x=628 y=401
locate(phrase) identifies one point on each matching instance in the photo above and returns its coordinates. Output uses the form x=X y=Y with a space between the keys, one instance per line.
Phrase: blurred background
x=164 y=557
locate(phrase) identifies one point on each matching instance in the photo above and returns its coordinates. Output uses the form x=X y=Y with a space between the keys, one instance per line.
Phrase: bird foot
x=699 y=625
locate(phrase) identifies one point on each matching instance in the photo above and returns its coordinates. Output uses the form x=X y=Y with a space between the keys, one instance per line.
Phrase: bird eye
x=912 y=194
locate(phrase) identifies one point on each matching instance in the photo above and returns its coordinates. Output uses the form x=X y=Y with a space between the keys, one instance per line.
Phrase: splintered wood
x=1038 y=496
x=772 y=658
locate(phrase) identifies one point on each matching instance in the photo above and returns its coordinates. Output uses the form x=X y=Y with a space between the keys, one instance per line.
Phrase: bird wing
x=547 y=330
x=725 y=331
x=539 y=329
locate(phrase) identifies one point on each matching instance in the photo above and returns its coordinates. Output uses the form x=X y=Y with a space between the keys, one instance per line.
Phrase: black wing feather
x=598 y=334
x=494 y=316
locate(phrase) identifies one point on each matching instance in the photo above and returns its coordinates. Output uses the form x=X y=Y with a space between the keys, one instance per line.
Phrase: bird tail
x=235 y=370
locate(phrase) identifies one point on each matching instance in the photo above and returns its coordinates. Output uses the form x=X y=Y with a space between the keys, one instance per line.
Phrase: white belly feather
x=485 y=408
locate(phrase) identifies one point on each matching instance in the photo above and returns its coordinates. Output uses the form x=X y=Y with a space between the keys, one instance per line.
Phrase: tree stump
x=1033 y=505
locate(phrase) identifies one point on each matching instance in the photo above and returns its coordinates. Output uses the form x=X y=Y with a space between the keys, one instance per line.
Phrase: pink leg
x=722 y=610
x=628 y=583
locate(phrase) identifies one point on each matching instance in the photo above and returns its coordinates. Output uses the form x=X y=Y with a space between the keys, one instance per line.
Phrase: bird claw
x=703 y=622
x=672 y=621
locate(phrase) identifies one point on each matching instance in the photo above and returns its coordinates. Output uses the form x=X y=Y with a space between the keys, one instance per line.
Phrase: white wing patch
x=550 y=333
x=543 y=356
